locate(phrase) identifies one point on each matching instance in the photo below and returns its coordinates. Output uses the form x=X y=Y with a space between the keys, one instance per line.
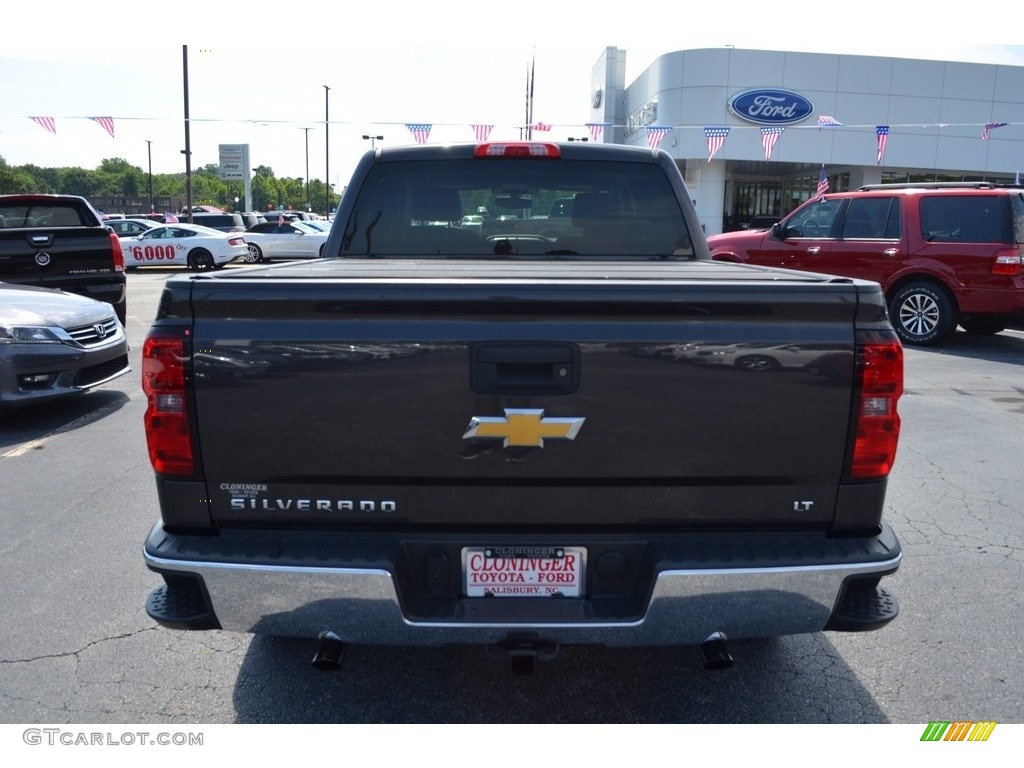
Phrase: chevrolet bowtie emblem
x=523 y=427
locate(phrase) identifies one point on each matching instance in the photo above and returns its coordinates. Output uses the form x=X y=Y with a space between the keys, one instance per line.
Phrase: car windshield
x=563 y=209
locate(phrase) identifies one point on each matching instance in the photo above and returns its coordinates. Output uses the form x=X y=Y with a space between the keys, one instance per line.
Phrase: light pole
x=307 y=130
x=149 y=154
x=373 y=140
x=327 y=148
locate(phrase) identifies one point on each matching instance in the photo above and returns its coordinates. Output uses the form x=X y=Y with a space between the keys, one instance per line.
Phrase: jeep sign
x=234 y=161
x=770 y=106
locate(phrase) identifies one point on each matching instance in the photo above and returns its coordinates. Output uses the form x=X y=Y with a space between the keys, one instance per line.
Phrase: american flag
x=481 y=131
x=655 y=133
x=420 y=131
x=882 y=131
x=822 y=181
x=280 y=219
x=46 y=122
x=827 y=121
x=596 y=129
x=538 y=126
x=716 y=138
x=769 y=135
x=988 y=127
x=107 y=123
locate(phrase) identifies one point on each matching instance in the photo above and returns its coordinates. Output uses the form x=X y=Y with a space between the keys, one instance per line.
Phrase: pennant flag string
x=882 y=131
x=47 y=123
x=988 y=127
x=107 y=123
x=827 y=121
x=420 y=131
x=481 y=132
x=655 y=133
x=716 y=137
x=596 y=130
x=770 y=135
x=539 y=126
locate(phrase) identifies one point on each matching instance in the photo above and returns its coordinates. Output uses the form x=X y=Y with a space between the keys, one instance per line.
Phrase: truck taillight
x=880 y=373
x=118 y=249
x=166 y=419
x=1007 y=262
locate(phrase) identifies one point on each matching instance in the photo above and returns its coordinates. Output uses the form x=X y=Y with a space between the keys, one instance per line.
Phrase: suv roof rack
x=931 y=185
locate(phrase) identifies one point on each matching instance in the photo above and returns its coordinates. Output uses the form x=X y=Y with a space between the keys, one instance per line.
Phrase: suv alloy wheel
x=922 y=314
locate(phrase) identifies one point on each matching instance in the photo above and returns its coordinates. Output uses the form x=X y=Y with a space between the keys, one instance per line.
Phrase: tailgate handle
x=524 y=368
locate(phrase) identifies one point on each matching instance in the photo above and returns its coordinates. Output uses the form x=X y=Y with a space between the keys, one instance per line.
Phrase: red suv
x=944 y=253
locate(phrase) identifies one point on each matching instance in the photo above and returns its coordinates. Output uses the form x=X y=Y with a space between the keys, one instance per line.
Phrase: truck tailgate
x=397 y=394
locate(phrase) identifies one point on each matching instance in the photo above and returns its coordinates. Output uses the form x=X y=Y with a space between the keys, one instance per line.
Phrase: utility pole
x=307 y=130
x=327 y=143
x=188 y=146
x=149 y=155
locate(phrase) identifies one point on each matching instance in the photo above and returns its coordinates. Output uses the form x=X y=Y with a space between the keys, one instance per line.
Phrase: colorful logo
x=959 y=730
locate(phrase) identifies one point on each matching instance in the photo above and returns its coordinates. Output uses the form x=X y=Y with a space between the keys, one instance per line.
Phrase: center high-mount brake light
x=166 y=419
x=517 y=149
x=880 y=370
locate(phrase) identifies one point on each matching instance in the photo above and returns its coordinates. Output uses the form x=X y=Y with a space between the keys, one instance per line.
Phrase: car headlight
x=28 y=334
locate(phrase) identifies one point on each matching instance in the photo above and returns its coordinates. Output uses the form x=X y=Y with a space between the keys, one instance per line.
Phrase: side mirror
x=777 y=231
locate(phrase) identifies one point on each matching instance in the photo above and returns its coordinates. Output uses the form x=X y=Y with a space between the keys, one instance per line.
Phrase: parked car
x=188 y=245
x=286 y=240
x=224 y=222
x=130 y=227
x=944 y=253
x=761 y=222
x=55 y=344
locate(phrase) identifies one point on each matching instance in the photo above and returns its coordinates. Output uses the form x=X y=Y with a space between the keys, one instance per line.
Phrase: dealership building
x=752 y=130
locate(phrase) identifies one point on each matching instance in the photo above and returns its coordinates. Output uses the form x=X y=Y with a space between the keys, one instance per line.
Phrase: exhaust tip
x=330 y=653
x=715 y=652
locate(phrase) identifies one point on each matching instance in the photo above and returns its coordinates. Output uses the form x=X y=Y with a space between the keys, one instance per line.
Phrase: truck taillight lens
x=517 y=149
x=880 y=371
x=118 y=249
x=166 y=419
x=1007 y=262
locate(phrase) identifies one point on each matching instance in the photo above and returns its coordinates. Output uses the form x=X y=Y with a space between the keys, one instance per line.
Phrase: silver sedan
x=55 y=344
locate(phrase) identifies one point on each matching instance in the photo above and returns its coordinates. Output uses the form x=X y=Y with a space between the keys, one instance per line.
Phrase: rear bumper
x=385 y=590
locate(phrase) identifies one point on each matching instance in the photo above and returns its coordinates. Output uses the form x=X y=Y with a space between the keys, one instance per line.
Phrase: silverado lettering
x=741 y=421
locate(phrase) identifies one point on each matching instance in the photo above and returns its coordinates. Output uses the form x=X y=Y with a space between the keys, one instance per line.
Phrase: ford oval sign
x=770 y=106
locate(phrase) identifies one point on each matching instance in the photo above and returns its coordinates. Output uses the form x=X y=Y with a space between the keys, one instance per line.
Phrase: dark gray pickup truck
x=59 y=241
x=433 y=436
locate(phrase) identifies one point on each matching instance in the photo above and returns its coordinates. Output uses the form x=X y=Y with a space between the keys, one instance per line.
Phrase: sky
x=258 y=77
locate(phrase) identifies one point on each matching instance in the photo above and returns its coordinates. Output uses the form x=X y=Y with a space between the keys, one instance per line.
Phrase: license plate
x=523 y=571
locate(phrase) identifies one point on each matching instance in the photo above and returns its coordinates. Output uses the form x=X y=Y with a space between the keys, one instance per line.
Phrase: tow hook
x=715 y=652
x=522 y=652
x=330 y=653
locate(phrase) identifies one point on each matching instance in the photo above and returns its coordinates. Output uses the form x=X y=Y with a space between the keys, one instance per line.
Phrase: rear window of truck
x=47 y=215
x=421 y=208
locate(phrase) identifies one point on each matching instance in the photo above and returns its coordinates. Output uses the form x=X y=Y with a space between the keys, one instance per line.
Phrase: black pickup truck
x=59 y=241
x=432 y=436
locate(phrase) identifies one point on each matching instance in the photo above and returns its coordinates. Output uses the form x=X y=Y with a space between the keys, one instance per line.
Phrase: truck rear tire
x=922 y=314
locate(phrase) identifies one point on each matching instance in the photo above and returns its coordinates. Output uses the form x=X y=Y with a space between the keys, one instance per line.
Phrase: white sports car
x=284 y=240
x=191 y=245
